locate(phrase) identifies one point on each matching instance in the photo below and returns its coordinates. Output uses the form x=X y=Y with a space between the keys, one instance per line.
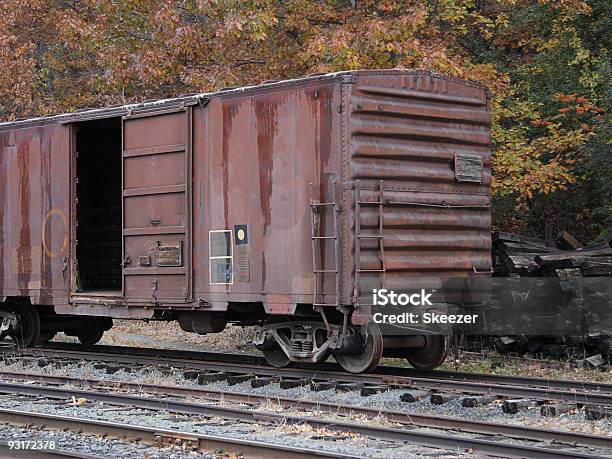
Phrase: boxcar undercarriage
x=297 y=338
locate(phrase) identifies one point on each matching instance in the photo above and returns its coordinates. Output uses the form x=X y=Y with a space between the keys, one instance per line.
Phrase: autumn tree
x=545 y=62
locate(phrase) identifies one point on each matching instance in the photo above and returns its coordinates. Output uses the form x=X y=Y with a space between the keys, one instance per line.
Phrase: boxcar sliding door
x=156 y=207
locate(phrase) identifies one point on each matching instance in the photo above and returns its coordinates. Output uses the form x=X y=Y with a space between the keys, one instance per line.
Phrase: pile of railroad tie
x=566 y=259
x=515 y=255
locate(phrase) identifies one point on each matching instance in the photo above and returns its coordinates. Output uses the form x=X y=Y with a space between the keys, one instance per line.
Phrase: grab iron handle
x=443 y=205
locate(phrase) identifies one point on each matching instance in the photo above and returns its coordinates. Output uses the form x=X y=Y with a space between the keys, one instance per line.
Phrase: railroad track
x=222 y=366
x=496 y=444
x=158 y=437
x=211 y=356
x=287 y=403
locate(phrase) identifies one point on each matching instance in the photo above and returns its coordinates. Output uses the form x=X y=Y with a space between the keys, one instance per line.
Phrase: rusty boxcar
x=280 y=204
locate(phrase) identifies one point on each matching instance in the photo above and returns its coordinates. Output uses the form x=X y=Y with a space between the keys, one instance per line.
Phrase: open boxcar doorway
x=98 y=206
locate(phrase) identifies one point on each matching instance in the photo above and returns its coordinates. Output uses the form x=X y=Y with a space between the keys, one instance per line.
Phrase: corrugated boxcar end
x=420 y=175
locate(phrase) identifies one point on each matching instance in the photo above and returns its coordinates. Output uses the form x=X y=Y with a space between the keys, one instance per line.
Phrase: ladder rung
x=374 y=203
x=378 y=236
x=372 y=270
x=319 y=274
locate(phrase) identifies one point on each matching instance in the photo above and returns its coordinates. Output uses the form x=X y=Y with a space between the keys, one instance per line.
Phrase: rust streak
x=229 y=111
x=263 y=271
x=24 y=250
x=326 y=122
x=4 y=142
x=47 y=195
x=266 y=113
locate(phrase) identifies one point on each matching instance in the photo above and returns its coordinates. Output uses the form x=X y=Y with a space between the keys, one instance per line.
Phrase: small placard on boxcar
x=241 y=234
x=244 y=265
x=468 y=168
x=169 y=255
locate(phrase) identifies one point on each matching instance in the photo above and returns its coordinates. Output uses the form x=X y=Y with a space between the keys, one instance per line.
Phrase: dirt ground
x=547 y=370
x=168 y=335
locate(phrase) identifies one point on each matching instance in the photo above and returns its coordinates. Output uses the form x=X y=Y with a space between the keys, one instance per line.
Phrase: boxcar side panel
x=34 y=195
x=254 y=158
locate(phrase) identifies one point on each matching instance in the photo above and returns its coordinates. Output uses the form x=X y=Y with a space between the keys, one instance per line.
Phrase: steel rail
x=214 y=356
x=246 y=415
x=420 y=420
x=163 y=437
x=502 y=379
x=451 y=385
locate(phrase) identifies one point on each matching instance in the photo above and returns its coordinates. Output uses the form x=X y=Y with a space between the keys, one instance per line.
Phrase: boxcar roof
x=88 y=114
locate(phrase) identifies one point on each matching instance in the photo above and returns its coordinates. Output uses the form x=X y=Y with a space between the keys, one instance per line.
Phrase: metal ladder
x=318 y=268
x=359 y=237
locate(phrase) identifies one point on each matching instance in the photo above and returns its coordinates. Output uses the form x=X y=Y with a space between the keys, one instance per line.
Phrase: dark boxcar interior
x=98 y=145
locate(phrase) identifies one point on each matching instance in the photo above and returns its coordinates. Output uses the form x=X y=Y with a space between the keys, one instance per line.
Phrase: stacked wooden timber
x=517 y=256
x=592 y=351
x=565 y=259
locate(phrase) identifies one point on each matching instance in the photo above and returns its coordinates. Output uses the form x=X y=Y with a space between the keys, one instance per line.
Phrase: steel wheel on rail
x=271 y=350
x=28 y=328
x=276 y=357
x=371 y=353
x=432 y=355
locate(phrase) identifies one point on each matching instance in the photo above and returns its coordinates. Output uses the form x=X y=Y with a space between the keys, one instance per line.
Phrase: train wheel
x=276 y=357
x=432 y=355
x=91 y=334
x=369 y=358
x=28 y=329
